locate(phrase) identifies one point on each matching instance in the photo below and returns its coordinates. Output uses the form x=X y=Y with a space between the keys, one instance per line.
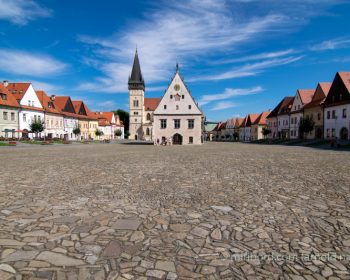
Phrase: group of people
x=163 y=142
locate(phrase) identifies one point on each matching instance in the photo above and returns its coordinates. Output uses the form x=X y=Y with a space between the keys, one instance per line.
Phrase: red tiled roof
x=47 y=103
x=253 y=117
x=306 y=95
x=261 y=120
x=319 y=96
x=18 y=89
x=10 y=99
x=151 y=103
x=345 y=76
x=60 y=103
x=105 y=115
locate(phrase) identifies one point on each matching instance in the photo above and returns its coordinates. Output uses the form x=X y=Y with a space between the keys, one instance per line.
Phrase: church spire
x=136 y=80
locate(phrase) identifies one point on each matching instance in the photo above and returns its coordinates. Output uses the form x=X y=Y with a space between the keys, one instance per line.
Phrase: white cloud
x=338 y=43
x=228 y=93
x=28 y=64
x=223 y=105
x=248 y=69
x=177 y=32
x=20 y=12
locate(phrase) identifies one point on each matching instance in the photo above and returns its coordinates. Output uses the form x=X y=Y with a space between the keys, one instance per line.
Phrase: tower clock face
x=177 y=87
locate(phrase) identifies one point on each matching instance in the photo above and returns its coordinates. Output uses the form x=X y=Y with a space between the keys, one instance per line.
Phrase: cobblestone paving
x=142 y=212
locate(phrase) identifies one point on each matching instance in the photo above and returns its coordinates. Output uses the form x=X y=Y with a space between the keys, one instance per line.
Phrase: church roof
x=136 y=80
x=151 y=103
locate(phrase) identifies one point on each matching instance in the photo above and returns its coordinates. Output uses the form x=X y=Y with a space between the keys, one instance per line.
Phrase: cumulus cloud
x=20 y=12
x=29 y=64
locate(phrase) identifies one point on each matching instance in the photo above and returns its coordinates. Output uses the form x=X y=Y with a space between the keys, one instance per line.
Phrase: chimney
x=52 y=97
x=6 y=83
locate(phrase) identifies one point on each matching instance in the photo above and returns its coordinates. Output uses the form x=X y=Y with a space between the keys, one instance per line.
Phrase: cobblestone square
x=217 y=211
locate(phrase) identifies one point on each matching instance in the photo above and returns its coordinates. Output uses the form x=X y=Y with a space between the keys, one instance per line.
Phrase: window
x=333 y=114
x=344 y=113
x=147 y=131
x=136 y=113
x=177 y=107
x=328 y=115
x=333 y=132
x=24 y=117
x=5 y=116
x=136 y=103
x=29 y=103
x=171 y=96
x=183 y=96
x=163 y=124
x=190 y=140
x=3 y=96
x=164 y=107
x=328 y=131
x=318 y=116
x=191 y=124
x=50 y=104
x=12 y=116
x=177 y=124
x=148 y=116
x=189 y=107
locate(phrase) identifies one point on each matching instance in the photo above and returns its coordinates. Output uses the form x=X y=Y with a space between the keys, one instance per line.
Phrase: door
x=177 y=139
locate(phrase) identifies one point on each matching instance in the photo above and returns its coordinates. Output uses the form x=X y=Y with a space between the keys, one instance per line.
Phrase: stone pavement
x=218 y=211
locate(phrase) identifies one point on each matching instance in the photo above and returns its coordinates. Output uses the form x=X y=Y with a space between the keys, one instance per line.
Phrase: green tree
x=306 y=126
x=98 y=132
x=76 y=131
x=266 y=131
x=124 y=117
x=118 y=133
x=36 y=126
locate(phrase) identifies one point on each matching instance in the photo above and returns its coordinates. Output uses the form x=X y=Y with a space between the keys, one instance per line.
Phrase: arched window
x=148 y=117
x=147 y=131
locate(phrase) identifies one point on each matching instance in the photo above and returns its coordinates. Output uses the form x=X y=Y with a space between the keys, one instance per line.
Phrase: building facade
x=175 y=118
x=9 y=110
x=283 y=118
x=314 y=111
x=258 y=126
x=337 y=108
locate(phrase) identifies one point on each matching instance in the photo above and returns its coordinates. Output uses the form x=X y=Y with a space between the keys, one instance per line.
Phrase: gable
x=30 y=98
x=339 y=92
x=69 y=106
x=177 y=100
x=297 y=103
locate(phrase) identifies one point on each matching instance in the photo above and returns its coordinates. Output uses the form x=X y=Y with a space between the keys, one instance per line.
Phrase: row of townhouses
x=328 y=106
x=21 y=104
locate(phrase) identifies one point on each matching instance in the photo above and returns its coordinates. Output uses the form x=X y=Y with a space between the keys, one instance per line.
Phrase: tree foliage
x=76 y=131
x=306 y=125
x=36 y=126
x=124 y=117
x=266 y=131
x=118 y=133
x=98 y=132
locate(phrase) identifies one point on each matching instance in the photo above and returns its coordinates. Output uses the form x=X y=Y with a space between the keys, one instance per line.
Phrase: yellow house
x=314 y=110
x=80 y=109
x=258 y=127
x=93 y=123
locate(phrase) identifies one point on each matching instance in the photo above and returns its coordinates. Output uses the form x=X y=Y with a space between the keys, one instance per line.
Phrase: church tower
x=136 y=100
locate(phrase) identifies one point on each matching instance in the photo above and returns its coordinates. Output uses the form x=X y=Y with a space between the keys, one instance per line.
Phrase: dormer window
x=29 y=103
x=164 y=107
x=49 y=104
x=189 y=107
x=3 y=96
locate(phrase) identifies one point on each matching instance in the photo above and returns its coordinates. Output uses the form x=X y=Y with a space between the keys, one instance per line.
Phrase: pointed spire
x=136 y=80
x=177 y=67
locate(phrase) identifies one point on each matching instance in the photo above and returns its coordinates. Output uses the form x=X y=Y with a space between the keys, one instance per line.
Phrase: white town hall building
x=174 y=118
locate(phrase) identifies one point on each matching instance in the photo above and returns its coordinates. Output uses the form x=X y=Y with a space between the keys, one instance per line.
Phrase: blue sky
x=237 y=56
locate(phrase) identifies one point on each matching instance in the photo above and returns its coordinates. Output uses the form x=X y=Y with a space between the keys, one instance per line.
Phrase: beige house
x=9 y=109
x=314 y=110
x=53 y=118
x=178 y=119
x=83 y=119
x=258 y=126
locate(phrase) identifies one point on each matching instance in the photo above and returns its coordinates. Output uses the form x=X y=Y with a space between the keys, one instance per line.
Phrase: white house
x=70 y=118
x=30 y=107
x=337 y=108
x=283 y=118
x=177 y=118
x=302 y=97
